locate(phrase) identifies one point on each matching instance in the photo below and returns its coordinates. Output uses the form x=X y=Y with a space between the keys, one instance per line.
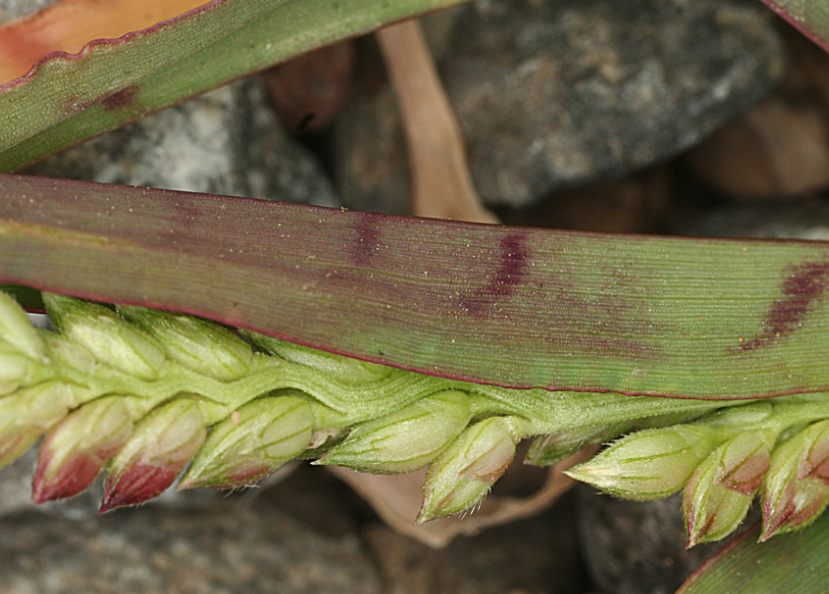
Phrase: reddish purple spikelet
x=747 y=477
x=76 y=449
x=74 y=475
x=161 y=446
x=244 y=475
x=792 y=498
x=140 y=483
x=815 y=461
x=800 y=504
x=720 y=492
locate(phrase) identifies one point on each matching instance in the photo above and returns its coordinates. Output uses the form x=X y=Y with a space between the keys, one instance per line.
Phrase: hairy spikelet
x=148 y=397
x=777 y=448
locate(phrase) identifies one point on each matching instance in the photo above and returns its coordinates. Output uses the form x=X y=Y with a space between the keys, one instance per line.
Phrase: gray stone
x=531 y=556
x=554 y=95
x=224 y=142
x=636 y=547
x=14 y=9
x=226 y=549
x=809 y=220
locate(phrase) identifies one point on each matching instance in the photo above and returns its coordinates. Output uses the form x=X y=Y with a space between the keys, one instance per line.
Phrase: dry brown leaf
x=442 y=185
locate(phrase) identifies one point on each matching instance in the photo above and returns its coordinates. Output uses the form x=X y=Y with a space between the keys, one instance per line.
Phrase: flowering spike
x=549 y=449
x=792 y=498
x=816 y=460
x=648 y=464
x=798 y=505
x=14 y=442
x=202 y=346
x=17 y=330
x=743 y=460
x=719 y=493
x=64 y=353
x=107 y=336
x=251 y=443
x=344 y=370
x=712 y=514
x=16 y=369
x=161 y=445
x=74 y=452
x=466 y=470
x=407 y=439
x=25 y=415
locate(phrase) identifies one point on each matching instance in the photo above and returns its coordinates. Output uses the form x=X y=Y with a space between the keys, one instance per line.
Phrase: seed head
x=719 y=493
x=251 y=443
x=76 y=449
x=793 y=497
x=107 y=336
x=197 y=344
x=405 y=440
x=648 y=464
x=463 y=474
x=161 y=445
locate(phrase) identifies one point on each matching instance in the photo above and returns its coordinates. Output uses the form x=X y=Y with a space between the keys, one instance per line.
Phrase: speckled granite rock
x=224 y=142
x=808 y=221
x=635 y=547
x=226 y=549
x=553 y=95
x=13 y=9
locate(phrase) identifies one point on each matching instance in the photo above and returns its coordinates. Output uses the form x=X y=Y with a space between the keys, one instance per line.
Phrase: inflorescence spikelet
x=149 y=397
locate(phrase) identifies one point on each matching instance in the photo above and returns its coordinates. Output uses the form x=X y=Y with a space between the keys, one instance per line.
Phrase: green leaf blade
x=69 y=98
x=810 y=17
x=515 y=307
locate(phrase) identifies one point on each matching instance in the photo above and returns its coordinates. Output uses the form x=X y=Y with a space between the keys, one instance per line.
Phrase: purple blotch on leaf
x=367 y=239
x=806 y=284
x=121 y=99
x=510 y=273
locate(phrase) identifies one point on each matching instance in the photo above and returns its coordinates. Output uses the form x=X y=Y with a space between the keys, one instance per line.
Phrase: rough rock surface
x=13 y=9
x=225 y=549
x=635 y=547
x=809 y=220
x=224 y=142
x=308 y=534
x=779 y=150
x=554 y=95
